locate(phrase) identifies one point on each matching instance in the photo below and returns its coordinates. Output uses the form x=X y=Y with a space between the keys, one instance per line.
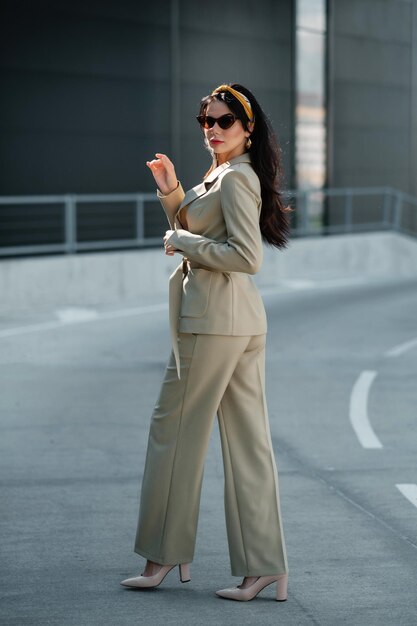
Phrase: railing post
x=304 y=212
x=70 y=223
x=396 y=222
x=385 y=207
x=348 y=211
x=140 y=218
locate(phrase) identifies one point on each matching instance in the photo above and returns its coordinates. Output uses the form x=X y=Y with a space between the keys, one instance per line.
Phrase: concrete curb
x=131 y=276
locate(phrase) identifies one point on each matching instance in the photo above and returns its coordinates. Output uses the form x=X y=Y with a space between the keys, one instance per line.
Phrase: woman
x=218 y=328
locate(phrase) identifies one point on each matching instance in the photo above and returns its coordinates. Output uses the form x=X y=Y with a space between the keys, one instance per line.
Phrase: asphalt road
x=76 y=393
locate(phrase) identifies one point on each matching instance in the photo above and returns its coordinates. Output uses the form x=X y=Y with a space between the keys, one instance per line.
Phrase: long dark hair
x=266 y=161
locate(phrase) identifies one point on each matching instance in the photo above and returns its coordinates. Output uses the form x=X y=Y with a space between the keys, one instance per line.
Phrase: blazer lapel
x=203 y=187
x=193 y=194
x=216 y=172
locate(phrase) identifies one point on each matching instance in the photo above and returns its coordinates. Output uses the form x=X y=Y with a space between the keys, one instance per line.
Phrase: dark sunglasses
x=224 y=121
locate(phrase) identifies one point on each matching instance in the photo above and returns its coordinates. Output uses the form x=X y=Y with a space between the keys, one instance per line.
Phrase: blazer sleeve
x=243 y=250
x=171 y=203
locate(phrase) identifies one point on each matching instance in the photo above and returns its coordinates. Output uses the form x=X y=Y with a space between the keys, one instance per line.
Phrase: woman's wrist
x=168 y=192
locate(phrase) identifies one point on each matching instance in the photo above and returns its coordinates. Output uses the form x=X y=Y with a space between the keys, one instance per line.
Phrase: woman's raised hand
x=163 y=171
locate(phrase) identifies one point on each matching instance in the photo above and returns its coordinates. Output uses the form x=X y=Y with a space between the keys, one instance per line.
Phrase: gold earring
x=248 y=143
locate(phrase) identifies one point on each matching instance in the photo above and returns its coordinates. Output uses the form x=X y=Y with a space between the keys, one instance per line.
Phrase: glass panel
x=310 y=68
x=310 y=128
x=310 y=114
x=311 y=14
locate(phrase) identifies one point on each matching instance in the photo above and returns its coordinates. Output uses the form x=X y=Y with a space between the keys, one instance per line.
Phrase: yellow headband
x=239 y=96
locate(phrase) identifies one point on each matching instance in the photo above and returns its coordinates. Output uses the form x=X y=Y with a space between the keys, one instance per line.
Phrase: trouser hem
x=252 y=572
x=157 y=559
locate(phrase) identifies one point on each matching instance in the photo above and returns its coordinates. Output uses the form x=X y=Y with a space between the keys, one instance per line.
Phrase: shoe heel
x=282 y=585
x=184 y=569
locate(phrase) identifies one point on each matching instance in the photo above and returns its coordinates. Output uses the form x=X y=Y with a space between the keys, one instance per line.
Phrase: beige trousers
x=223 y=374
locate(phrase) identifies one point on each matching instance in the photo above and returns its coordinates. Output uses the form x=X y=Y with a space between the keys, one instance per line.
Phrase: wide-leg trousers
x=225 y=375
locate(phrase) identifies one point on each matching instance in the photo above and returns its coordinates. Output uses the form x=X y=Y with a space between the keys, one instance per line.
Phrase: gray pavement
x=75 y=404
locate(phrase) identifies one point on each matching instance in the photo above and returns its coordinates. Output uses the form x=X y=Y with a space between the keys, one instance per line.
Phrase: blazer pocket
x=196 y=293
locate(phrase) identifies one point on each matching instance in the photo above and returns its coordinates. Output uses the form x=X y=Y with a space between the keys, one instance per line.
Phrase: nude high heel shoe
x=149 y=582
x=237 y=593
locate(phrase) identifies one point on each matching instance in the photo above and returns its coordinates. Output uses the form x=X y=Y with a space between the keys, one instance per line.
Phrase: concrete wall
x=91 y=90
x=117 y=278
x=372 y=93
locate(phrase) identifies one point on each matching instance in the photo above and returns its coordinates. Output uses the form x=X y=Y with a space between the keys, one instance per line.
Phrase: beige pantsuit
x=217 y=365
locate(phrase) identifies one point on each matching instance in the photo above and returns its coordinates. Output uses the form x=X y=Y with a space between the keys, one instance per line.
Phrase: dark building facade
x=373 y=88
x=92 y=89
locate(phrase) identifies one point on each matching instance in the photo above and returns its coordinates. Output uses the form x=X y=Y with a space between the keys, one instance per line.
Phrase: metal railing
x=352 y=209
x=72 y=223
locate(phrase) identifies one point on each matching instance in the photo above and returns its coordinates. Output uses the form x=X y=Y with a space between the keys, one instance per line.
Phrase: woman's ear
x=251 y=126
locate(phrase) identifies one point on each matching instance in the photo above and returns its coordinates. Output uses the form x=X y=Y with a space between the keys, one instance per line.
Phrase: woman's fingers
x=165 y=161
x=163 y=157
x=167 y=235
x=169 y=248
x=164 y=172
x=155 y=163
x=160 y=164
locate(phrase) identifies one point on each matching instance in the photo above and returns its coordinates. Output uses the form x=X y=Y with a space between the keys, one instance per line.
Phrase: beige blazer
x=212 y=290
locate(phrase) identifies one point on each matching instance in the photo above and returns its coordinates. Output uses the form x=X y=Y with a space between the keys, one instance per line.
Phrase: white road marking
x=358 y=410
x=77 y=315
x=72 y=315
x=409 y=491
x=298 y=284
x=401 y=348
x=141 y=310
x=71 y=319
